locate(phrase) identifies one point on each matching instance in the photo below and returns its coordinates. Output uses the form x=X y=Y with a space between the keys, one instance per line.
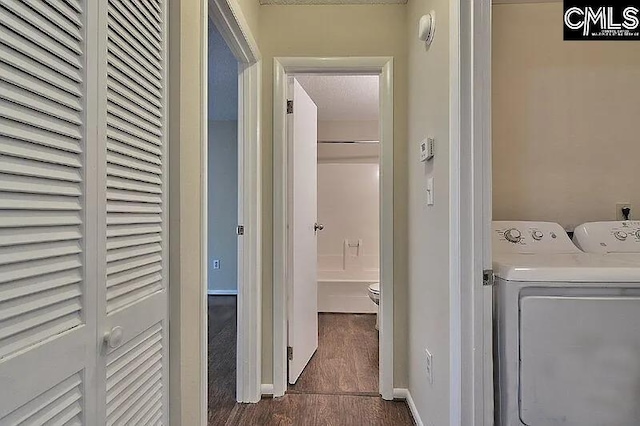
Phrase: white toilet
x=374 y=295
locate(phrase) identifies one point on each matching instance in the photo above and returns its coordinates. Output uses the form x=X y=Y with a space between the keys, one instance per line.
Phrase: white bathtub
x=348 y=296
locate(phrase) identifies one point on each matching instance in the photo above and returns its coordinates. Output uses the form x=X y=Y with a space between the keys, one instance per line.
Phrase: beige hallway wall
x=429 y=316
x=360 y=30
x=565 y=120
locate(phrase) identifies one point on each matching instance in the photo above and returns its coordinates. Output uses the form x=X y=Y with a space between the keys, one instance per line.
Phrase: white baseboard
x=404 y=394
x=222 y=292
x=266 y=389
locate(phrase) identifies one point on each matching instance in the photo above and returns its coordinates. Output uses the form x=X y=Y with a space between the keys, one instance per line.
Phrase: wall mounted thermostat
x=427 y=149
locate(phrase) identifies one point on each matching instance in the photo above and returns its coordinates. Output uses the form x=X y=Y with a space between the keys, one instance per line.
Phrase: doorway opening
x=338 y=305
x=321 y=282
x=222 y=222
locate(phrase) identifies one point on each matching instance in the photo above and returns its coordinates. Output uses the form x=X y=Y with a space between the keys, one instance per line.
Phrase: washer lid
x=581 y=267
x=531 y=238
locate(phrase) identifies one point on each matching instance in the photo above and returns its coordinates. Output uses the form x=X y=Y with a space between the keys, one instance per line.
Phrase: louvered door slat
x=17 y=289
x=55 y=18
x=50 y=403
x=120 y=14
x=123 y=76
x=45 y=299
x=134 y=377
x=15 y=69
x=54 y=31
x=39 y=42
x=41 y=105
x=143 y=14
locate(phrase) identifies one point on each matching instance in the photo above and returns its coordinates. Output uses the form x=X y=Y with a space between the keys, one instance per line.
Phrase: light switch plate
x=430 y=201
x=429 y=365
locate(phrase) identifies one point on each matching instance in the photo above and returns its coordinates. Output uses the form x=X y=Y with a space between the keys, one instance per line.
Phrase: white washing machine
x=566 y=331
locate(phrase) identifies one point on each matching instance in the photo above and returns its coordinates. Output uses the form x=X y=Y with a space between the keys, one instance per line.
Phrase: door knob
x=113 y=338
x=318 y=227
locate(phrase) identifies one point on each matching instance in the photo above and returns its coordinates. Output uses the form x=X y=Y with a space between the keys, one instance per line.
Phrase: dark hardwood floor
x=347 y=358
x=338 y=387
x=222 y=358
x=322 y=410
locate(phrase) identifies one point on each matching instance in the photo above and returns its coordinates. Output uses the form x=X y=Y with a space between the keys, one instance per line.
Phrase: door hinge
x=487 y=277
x=289 y=107
x=240 y=230
x=289 y=353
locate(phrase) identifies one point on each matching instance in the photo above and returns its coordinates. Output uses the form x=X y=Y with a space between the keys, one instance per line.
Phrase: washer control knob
x=620 y=235
x=537 y=235
x=513 y=235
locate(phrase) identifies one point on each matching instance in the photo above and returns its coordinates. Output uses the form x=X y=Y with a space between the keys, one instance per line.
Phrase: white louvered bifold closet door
x=48 y=314
x=133 y=296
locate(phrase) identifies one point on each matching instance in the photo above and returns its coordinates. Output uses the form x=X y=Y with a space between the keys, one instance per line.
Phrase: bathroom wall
x=348 y=247
x=565 y=114
x=348 y=130
x=222 y=166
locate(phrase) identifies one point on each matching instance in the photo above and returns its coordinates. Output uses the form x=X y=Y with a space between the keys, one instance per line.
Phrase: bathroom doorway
x=333 y=319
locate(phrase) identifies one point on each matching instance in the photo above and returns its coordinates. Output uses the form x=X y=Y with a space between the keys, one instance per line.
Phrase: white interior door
x=133 y=310
x=47 y=223
x=303 y=285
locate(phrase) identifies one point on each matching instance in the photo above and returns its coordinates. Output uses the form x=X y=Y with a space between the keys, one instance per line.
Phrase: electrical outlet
x=619 y=207
x=216 y=264
x=429 y=366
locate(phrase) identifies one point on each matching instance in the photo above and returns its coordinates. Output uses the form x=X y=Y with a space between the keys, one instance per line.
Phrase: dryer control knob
x=537 y=235
x=638 y=234
x=513 y=235
x=620 y=235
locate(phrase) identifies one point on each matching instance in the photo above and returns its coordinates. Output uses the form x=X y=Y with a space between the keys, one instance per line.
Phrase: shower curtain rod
x=348 y=142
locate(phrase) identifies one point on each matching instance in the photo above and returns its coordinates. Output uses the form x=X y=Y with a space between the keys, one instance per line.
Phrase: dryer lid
x=608 y=237
x=570 y=268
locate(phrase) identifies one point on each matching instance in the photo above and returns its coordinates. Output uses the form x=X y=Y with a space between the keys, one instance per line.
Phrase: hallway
x=339 y=386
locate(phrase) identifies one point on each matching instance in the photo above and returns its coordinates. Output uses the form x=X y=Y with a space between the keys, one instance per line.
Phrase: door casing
x=283 y=68
x=234 y=31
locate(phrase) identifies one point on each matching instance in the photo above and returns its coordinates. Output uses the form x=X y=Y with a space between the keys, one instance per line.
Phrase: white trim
x=382 y=66
x=455 y=218
x=249 y=353
x=234 y=29
x=230 y=21
x=471 y=375
x=204 y=217
x=477 y=300
x=222 y=292
x=266 y=389
x=403 y=394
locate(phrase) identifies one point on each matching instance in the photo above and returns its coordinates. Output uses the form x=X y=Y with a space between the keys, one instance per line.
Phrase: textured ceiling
x=343 y=98
x=333 y=1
